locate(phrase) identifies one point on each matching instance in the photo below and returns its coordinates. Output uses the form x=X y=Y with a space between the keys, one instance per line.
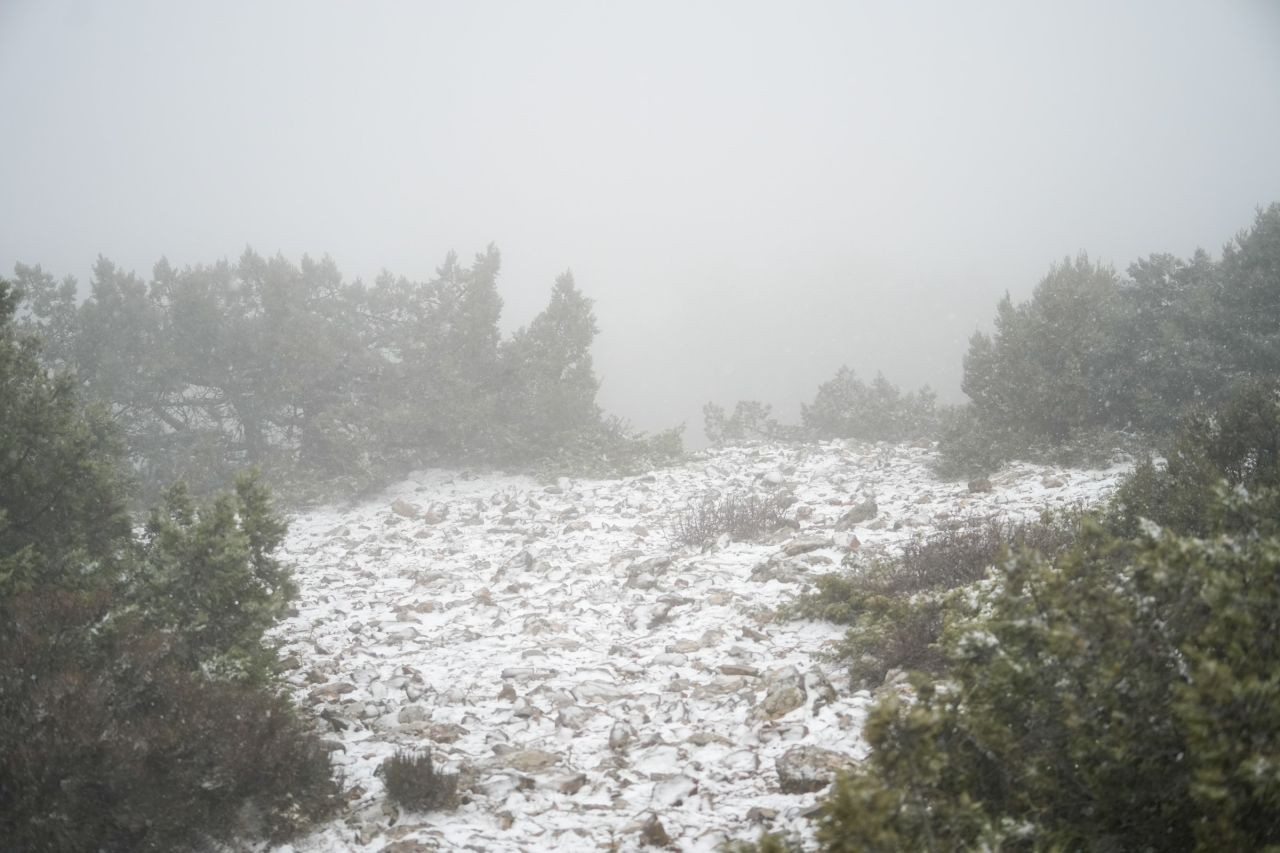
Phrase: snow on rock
x=596 y=684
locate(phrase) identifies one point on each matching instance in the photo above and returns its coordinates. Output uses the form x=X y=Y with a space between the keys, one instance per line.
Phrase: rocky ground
x=596 y=684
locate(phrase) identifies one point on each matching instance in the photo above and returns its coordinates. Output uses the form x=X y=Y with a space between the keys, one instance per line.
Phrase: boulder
x=803 y=769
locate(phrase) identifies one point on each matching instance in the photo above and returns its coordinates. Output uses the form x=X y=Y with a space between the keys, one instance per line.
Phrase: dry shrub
x=744 y=517
x=413 y=782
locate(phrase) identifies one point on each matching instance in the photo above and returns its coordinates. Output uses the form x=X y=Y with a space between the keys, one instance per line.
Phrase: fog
x=753 y=194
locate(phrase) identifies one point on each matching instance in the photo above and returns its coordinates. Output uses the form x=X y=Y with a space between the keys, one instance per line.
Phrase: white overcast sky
x=753 y=193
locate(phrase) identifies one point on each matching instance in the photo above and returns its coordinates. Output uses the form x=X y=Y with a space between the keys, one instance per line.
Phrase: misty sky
x=752 y=193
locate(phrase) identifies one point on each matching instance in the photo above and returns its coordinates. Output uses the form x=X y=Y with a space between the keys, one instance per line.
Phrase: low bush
x=111 y=743
x=412 y=781
x=742 y=516
x=895 y=608
x=1123 y=696
x=1238 y=444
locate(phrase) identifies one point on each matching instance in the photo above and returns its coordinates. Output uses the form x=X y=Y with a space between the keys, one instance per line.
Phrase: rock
x=739 y=669
x=741 y=760
x=524 y=709
x=782 y=701
x=599 y=691
x=653 y=834
x=531 y=760
x=574 y=717
x=817 y=684
x=571 y=784
x=659 y=761
x=673 y=791
x=785 y=571
x=411 y=714
x=803 y=769
x=805 y=544
x=670 y=659
x=330 y=692
x=620 y=736
x=402 y=507
x=704 y=738
x=527 y=673
x=408 y=846
x=858 y=514
x=445 y=732
x=980 y=485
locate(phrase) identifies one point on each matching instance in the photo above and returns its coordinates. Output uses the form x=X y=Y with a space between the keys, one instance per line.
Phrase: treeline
x=1092 y=362
x=844 y=407
x=325 y=383
x=1094 y=357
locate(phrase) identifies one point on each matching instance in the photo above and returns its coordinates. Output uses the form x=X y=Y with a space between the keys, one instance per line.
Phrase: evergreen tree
x=551 y=385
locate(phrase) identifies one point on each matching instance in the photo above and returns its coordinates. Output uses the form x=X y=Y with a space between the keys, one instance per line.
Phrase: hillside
x=582 y=670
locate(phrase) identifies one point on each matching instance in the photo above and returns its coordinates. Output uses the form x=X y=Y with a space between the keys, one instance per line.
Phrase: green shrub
x=895 y=608
x=208 y=573
x=112 y=742
x=412 y=781
x=1125 y=695
x=1239 y=444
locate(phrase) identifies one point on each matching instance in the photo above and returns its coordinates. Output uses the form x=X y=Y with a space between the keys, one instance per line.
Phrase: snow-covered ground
x=583 y=670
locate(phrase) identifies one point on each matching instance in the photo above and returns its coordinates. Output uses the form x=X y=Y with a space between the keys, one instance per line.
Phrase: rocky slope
x=596 y=684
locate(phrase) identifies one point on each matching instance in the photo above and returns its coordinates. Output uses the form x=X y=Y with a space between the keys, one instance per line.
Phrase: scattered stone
x=858 y=514
x=803 y=769
x=784 y=692
x=599 y=691
x=571 y=784
x=739 y=669
x=805 y=544
x=403 y=508
x=653 y=834
x=446 y=732
x=670 y=659
x=531 y=760
x=706 y=738
x=411 y=714
x=741 y=760
x=673 y=791
x=620 y=736
x=330 y=692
